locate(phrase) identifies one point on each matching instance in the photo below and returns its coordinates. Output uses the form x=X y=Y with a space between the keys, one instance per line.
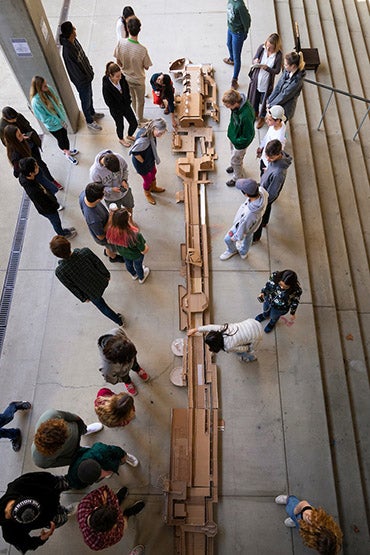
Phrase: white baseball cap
x=277 y=112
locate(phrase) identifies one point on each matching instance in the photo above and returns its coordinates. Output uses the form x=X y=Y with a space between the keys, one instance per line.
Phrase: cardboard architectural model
x=192 y=487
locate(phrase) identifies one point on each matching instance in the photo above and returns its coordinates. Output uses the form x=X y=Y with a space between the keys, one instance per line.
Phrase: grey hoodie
x=249 y=216
x=274 y=177
x=108 y=179
x=113 y=372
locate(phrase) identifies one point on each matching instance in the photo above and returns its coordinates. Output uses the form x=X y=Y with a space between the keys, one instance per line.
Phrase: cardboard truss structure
x=192 y=486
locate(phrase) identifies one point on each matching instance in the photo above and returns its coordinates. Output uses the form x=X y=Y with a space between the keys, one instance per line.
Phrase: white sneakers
x=146 y=273
x=94 y=428
x=227 y=254
x=131 y=460
x=289 y=522
x=94 y=126
x=281 y=499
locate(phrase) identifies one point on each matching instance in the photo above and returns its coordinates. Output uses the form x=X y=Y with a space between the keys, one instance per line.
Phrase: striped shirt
x=134 y=59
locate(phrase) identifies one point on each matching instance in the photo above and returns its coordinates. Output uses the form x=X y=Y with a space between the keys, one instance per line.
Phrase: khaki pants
x=236 y=161
x=137 y=92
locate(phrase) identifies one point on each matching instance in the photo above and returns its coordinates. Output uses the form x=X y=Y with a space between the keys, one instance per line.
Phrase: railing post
x=324 y=112
x=362 y=122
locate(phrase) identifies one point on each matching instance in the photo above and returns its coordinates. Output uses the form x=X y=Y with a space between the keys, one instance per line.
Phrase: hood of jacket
x=98 y=172
x=283 y=162
x=259 y=203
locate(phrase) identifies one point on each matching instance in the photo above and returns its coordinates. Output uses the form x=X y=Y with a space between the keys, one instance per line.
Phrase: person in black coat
x=117 y=97
x=31 y=502
x=11 y=116
x=41 y=193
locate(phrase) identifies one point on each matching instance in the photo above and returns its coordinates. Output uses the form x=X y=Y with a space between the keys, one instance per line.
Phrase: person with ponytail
x=145 y=156
x=290 y=84
x=117 y=97
x=49 y=110
x=121 y=25
x=280 y=294
x=129 y=243
x=114 y=410
x=241 y=338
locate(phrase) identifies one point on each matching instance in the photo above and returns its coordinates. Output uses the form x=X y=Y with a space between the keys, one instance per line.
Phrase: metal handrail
x=344 y=93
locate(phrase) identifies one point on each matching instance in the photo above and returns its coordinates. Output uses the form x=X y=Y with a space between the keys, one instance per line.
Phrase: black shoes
x=121 y=494
x=231 y=183
x=17 y=441
x=21 y=405
x=134 y=509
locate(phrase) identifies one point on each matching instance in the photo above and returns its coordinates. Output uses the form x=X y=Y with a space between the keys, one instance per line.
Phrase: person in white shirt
x=277 y=130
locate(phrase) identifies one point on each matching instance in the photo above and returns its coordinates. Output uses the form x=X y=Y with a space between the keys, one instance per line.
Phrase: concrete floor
x=50 y=356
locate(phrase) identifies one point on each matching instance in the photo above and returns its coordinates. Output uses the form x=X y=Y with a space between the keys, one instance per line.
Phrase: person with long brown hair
x=317 y=528
x=117 y=97
x=289 y=86
x=129 y=243
x=267 y=63
x=114 y=410
x=49 y=110
x=18 y=146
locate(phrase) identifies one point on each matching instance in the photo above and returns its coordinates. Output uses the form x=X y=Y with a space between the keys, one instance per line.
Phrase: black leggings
x=135 y=368
x=129 y=115
x=62 y=138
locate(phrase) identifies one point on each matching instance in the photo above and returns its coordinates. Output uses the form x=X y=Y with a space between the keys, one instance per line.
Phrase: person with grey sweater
x=111 y=172
x=241 y=338
x=247 y=219
x=57 y=437
x=273 y=179
x=117 y=358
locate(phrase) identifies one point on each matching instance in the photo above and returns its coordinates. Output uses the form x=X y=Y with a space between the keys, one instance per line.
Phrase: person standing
x=96 y=216
x=114 y=410
x=80 y=73
x=247 y=219
x=84 y=274
x=121 y=25
x=118 y=358
x=267 y=63
x=110 y=171
x=241 y=338
x=145 y=156
x=276 y=130
x=91 y=464
x=57 y=437
x=240 y=131
x=49 y=110
x=100 y=518
x=41 y=192
x=20 y=145
x=32 y=502
x=117 y=97
x=290 y=84
x=273 y=179
x=280 y=295
x=134 y=59
x=14 y=434
x=129 y=243
x=317 y=528
x=238 y=23
x=11 y=117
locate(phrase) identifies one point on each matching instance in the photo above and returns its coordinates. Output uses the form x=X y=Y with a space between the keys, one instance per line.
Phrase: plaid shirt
x=92 y=501
x=84 y=274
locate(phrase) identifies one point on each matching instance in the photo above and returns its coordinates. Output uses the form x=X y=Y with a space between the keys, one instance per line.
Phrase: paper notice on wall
x=21 y=48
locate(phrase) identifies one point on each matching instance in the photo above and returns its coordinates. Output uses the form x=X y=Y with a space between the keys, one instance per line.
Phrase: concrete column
x=29 y=46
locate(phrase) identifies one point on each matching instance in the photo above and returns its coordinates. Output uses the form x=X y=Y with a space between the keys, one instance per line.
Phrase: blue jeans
x=290 y=506
x=6 y=417
x=135 y=267
x=106 y=310
x=54 y=219
x=272 y=312
x=86 y=97
x=235 y=43
x=246 y=243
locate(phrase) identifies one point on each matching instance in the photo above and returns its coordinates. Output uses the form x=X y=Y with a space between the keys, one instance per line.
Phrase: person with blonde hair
x=317 y=528
x=267 y=63
x=49 y=110
x=114 y=410
x=145 y=156
x=289 y=86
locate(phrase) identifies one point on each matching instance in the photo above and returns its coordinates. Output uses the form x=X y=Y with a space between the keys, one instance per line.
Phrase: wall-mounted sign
x=21 y=48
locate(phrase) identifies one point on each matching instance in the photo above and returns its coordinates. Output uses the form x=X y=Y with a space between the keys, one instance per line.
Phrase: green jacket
x=241 y=127
x=238 y=18
x=108 y=456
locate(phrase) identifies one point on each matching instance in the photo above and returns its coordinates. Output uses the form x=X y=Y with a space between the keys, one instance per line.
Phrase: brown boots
x=153 y=189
